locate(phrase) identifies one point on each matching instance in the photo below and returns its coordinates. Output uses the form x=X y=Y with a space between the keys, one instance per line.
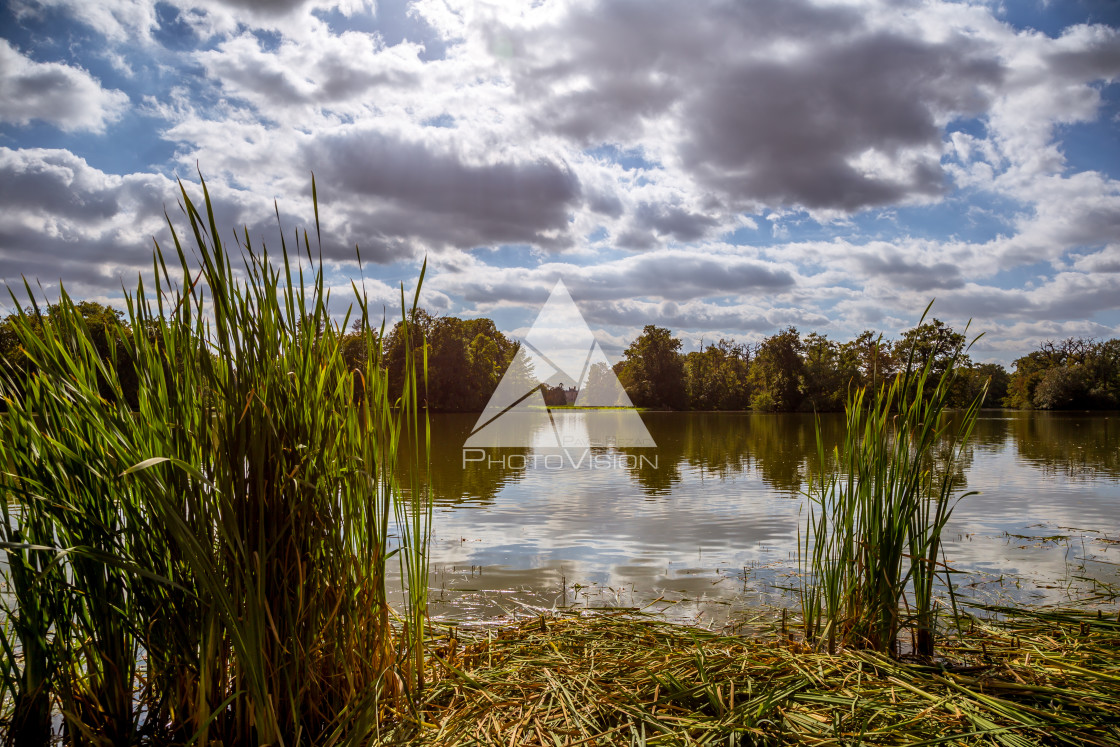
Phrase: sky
x=723 y=169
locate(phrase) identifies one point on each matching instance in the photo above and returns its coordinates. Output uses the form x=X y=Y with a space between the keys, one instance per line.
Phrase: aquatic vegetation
x=877 y=507
x=208 y=564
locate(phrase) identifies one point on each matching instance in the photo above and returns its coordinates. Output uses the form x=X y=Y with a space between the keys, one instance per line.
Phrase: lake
x=706 y=523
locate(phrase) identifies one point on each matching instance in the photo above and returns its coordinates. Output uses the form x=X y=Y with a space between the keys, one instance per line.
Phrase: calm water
x=706 y=522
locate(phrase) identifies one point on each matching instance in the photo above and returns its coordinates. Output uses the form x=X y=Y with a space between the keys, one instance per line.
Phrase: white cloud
x=342 y=74
x=484 y=126
x=117 y=20
x=67 y=97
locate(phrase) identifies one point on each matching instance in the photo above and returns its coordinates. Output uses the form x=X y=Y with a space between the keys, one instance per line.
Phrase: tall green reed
x=877 y=507
x=209 y=563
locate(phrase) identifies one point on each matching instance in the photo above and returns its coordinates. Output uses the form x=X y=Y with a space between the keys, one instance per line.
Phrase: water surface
x=707 y=522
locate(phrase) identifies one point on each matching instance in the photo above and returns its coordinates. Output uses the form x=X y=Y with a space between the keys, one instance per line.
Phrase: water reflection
x=781 y=448
x=710 y=515
x=456 y=479
x=1075 y=446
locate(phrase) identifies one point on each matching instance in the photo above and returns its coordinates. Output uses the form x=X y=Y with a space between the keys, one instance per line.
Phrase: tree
x=829 y=371
x=653 y=371
x=872 y=357
x=717 y=377
x=1029 y=371
x=1075 y=373
x=972 y=380
x=395 y=353
x=1062 y=388
x=107 y=331
x=932 y=343
x=466 y=359
x=777 y=371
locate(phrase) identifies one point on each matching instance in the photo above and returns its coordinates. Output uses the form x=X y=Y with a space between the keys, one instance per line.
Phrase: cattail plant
x=877 y=508
x=205 y=559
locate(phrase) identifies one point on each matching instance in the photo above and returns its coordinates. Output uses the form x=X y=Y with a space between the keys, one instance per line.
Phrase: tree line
x=786 y=372
x=791 y=372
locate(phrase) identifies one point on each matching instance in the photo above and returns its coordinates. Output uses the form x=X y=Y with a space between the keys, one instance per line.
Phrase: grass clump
x=877 y=508
x=208 y=564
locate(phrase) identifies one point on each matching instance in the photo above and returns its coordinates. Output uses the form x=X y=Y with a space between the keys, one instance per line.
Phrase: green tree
x=972 y=380
x=1029 y=371
x=777 y=371
x=1103 y=369
x=717 y=377
x=1062 y=388
x=829 y=371
x=872 y=357
x=107 y=331
x=394 y=348
x=932 y=341
x=466 y=359
x=653 y=371
x=1076 y=373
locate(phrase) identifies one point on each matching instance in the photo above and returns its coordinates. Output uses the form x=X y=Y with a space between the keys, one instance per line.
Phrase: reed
x=877 y=507
x=208 y=563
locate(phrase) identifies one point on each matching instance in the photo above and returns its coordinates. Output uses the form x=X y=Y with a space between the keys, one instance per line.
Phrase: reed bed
x=205 y=563
x=1029 y=678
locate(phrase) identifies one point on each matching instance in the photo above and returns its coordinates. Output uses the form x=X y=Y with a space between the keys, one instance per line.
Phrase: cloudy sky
x=721 y=168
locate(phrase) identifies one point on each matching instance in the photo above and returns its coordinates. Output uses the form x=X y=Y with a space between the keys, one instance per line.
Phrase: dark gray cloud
x=686 y=275
x=672 y=276
x=1105 y=261
x=787 y=134
x=1097 y=57
x=900 y=271
x=604 y=203
x=267 y=8
x=408 y=191
x=760 y=128
x=678 y=317
x=1069 y=296
x=643 y=56
x=672 y=221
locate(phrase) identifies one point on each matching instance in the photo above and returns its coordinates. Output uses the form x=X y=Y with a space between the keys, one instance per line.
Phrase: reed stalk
x=207 y=563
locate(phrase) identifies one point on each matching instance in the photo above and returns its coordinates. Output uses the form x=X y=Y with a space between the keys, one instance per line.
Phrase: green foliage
x=778 y=370
x=653 y=372
x=829 y=371
x=466 y=359
x=107 y=332
x=872 y=357
x=209 y=564
x=878 y=506
x=718 y=377
x=935 y=346
x=1075 y=373
x=785 y=372
x=972 y=380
